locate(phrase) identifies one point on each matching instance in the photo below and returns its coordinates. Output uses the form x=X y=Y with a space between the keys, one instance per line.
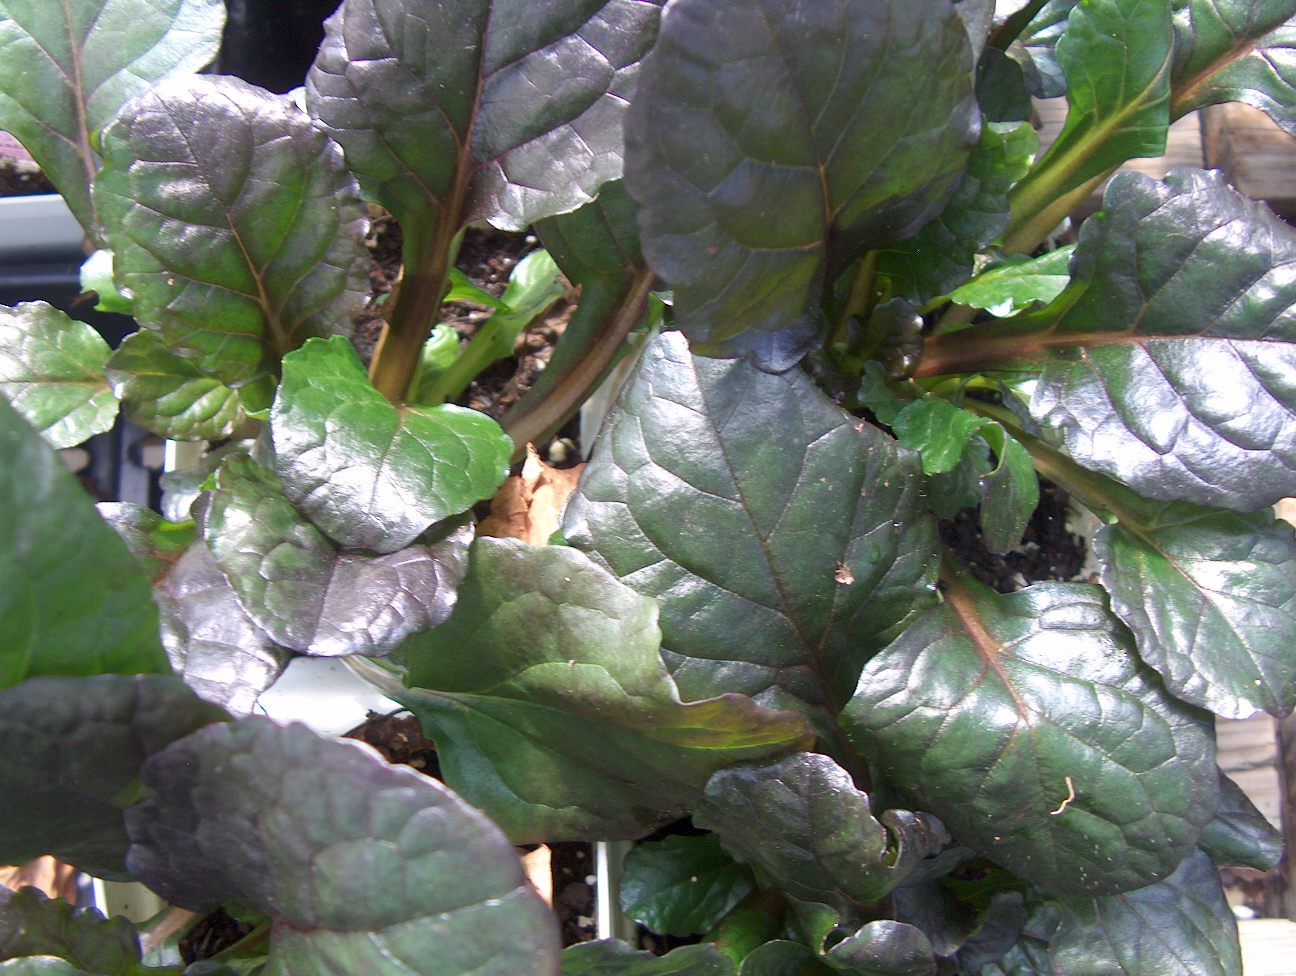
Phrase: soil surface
x=18 y=180
x=1048 y=550
x=486 y=257
x=213 y=933
x=400 y=740
x=573 y=887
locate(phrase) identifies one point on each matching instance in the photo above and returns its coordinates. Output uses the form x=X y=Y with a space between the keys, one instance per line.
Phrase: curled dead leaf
x=529 y=506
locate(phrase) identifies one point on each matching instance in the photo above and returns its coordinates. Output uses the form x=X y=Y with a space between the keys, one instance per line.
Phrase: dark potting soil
x=573 y=888
x=21 y=181
x=400 y=740
x=213 y=933
x=487 y=257
x=1048 y=550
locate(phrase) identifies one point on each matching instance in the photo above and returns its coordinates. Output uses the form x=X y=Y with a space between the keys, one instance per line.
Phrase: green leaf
x=234 y=224
x=597 y=248
x=743 y=931
x=67 y=68
x=612 y=957
x=1240 y=834
x=304 y=592
x=947 y=438
x=1010 y=493
x=681 y=885
x=1264 y=75
x=463 y=290
x=938 y=430
x=940 y=257
x=73 y=749
x=1001 y=88
x=992 y=710
x=964 y=487
x=884 y=948
x=72 y=599
x=1036 y=49
x=456 y=113
x=368 y=473
x=876 y=394
x=154 y=542
x=39 y=966
x=97 y=276
x=211 y=643
x=1211 y=598
x=364 y=867
x=181 y=488
x=783 y=958
x=1117 y=56
x=804 y=551
x=552 y=710
x=33 y=925
x=801 y=820
x=439 y=354
x=599 y=240
x=1235 y=51
x=1182 y=925
x=1018 y=284
x=52 y=372
x=1168 y=362
x=768 y=149
x=168 y=395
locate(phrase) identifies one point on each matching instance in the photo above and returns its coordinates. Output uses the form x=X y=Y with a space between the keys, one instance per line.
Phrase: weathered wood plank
x=1253 y=153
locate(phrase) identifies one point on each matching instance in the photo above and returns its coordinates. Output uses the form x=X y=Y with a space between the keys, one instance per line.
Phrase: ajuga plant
x=823 y=227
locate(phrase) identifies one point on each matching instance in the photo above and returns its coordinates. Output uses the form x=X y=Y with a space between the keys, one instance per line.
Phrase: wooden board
x=1268 y=946
x=1253 y=153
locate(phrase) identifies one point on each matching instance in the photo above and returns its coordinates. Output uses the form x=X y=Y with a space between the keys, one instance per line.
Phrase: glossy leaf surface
x=1264 y=77
x=1235 y=51
x=168 y=395
x=211 y=643
x=552 y=710
x=939 y=257
x=951 y=441
x=884 y=948
x=32 y=924
x=681 y=885
x=303 y=591
x=1012 y=287
x=1117 y=56
x=182 y=487
x=1211 y=598
x=1240 y=834
x=366 y=472
x=72 y=599
x=802 y=820
x=597 y=248
x=364 y=867
x=599 y=240
x=154 y=542
x=1169 y=361
x=771 y=142
x=508 y=112
x=612 y=957
x=52 y=372
x=233 y=222
x=73 y=750
x=1182 y=925
x=781 y=535
x=67 y=68
x=39 y=966
x=992 y=710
